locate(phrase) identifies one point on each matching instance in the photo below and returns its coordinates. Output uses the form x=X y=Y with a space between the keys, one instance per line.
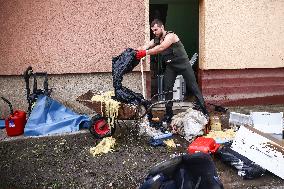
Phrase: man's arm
x=169 y=39
x=147 y=46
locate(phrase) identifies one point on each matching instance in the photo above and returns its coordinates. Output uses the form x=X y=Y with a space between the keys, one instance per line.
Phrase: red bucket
x=15 y=123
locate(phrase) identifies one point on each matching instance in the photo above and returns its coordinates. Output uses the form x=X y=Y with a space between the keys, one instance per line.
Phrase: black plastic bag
x=184 y=172
x=122 y=64
x=246 y=168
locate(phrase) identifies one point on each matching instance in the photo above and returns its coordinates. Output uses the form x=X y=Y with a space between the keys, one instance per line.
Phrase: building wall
x=243 y=86
x=65 y=89
x=241 y=34
x=68 y=36
x=73 y=41
x=242 y=52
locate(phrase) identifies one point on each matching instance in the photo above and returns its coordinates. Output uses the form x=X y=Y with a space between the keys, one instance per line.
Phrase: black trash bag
x=184 y=172
x=126 y=95
x=246 y=168
x=122 y=64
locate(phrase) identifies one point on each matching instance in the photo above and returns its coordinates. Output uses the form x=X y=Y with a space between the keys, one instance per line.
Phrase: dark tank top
x=175 y=53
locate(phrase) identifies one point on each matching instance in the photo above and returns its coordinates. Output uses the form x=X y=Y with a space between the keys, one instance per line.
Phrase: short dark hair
x=156 y=21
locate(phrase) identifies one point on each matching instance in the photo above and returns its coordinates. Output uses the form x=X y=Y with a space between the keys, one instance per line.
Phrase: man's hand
x=140 y=54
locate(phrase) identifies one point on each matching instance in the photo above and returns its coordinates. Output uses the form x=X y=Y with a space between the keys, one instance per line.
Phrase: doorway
x=181 y=17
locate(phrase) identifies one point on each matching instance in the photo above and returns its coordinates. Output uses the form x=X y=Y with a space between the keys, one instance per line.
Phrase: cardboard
x=261 y=148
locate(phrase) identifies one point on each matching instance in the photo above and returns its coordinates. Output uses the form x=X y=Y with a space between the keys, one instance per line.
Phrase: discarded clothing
x=122 y=64
x=246 y=168
x=159 y=139
x=50 y=117
x=184 y=172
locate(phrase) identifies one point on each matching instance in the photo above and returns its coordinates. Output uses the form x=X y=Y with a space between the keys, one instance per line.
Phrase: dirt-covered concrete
x=65 y=162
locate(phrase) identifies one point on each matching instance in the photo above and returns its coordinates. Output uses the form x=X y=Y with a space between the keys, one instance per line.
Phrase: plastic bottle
x=163 y=136
x=215 y=123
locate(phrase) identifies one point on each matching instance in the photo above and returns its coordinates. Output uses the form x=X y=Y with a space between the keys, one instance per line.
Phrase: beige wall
x=237 y=34
x=60 y=36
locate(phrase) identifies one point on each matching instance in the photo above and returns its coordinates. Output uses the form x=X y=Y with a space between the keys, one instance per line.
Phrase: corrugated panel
x=243 y=87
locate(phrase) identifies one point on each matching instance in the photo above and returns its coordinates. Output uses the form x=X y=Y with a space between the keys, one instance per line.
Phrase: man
x=176 y=59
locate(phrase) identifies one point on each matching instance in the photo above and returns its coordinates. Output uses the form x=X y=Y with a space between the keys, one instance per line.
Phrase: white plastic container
x=239 y=119
x=268 y=122
x=179 y=88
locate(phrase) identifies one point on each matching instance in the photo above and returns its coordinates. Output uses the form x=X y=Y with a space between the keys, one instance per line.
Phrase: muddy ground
x=65 y=162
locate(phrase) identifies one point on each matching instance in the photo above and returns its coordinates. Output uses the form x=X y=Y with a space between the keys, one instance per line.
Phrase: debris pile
x=146 y=130
x=222 y=136
x=189 y=124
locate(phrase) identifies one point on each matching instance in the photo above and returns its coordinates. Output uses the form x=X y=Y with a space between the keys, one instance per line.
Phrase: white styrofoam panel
x=240 y=119
x=268 y=122
x=261 y=148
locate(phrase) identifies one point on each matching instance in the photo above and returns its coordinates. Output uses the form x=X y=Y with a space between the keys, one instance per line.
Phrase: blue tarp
x=2 y=123
x=50 y=117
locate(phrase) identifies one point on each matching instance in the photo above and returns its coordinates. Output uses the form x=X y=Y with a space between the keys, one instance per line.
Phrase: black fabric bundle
x=184 y=172
x=122 y=64
x=246 y=168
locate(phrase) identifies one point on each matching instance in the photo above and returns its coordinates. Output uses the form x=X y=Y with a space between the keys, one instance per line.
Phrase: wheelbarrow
x=100 y=127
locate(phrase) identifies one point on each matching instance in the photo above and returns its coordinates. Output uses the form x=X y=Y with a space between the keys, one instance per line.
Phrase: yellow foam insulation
x=111 y=106
x=229 y=134
x=170 y=143
x=104 y=146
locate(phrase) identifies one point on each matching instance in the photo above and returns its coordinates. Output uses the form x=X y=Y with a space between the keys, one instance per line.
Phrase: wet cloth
x=122 y=64
x=50 y=117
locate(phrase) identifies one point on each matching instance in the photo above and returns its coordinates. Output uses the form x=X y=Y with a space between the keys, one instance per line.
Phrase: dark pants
x=172 y=70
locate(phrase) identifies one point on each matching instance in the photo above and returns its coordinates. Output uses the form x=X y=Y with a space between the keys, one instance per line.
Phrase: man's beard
x=160 y=35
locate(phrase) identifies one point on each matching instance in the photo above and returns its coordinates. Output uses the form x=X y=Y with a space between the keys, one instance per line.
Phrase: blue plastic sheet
x=50 y=117
x=2 y=123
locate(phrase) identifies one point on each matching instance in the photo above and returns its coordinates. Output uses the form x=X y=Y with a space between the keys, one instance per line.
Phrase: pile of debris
x=249 y=143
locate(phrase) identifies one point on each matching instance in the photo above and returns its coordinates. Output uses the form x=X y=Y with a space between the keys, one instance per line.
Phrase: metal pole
x=142 y=78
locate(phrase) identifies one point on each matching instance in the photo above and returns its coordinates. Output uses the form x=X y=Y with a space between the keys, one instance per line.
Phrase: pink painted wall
x=67 y=36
